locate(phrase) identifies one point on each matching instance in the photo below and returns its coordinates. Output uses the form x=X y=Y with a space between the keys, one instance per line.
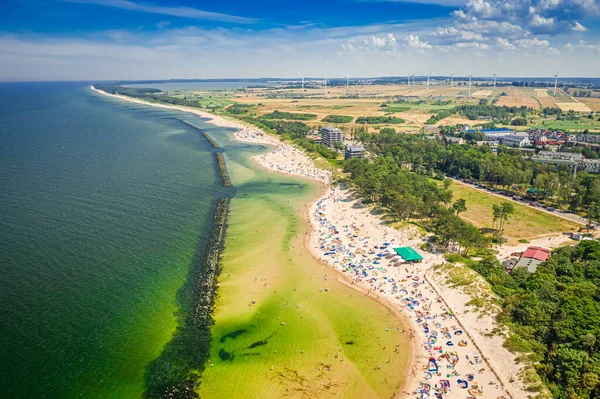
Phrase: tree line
x=508 y=169
x=554 y=316
x=408 y=196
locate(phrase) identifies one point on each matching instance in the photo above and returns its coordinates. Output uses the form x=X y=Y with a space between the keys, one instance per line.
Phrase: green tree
x=460 y=205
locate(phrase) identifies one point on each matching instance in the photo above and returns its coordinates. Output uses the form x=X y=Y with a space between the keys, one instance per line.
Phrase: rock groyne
x=222 y=166
x=206 y=135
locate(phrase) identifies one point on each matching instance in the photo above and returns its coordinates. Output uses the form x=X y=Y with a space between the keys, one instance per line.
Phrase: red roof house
x=532 y=257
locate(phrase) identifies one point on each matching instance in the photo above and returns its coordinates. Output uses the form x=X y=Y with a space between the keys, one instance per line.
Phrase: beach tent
x=408 y=254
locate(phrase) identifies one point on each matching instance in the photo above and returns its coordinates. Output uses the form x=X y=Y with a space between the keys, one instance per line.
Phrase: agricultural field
x=580 y=124
x=482 y=93
x=592 y=103
x=575 y=92
x=517 y=97
x=407 y=109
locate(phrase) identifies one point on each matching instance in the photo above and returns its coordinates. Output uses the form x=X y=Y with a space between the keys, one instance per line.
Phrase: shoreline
x=251 y=134
x=286 y=159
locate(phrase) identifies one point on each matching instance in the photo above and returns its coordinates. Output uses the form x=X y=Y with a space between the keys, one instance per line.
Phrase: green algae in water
x=270 y=287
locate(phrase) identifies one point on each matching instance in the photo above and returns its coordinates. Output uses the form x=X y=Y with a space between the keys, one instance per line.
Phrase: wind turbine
x=408 y=83
x=452 y=79
x=413 y=75
x=325 y=87
x=495 y=82
x=347 y=80
x=555 y=82
x=470 y=76
x=302 y=76
x=427 y=87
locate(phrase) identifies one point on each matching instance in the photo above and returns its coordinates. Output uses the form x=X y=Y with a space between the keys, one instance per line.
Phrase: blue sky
x=131 y=39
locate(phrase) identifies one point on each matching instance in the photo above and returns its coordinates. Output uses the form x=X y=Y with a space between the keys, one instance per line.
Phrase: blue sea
x=104 y=205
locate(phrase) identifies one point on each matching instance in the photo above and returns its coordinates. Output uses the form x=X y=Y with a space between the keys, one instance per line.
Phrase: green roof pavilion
x=408 y=254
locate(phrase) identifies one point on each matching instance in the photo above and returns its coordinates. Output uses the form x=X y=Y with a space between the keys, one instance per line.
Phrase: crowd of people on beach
x=356 y=244
x=450 y=366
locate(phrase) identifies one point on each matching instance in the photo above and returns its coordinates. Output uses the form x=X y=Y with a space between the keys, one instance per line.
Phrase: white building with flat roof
x=331 y=135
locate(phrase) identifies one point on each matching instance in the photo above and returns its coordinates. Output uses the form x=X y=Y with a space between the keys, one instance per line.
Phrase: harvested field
x=482 y=93
x=541 y=93
x=547 y=102
x=592 y=103
x=518 y=101
x=577 y=107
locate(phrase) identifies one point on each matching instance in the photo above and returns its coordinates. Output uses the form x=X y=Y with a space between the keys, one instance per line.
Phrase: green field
x=527 y=223
x=580 y=124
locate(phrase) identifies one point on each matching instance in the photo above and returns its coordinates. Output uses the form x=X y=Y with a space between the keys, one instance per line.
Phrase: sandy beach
x=349 y=237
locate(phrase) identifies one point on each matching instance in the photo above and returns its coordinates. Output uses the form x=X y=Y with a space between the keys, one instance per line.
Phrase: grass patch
x=372 y=120
x=396 y=109
x=289 y=115
x=566 y=124
x=338 y=118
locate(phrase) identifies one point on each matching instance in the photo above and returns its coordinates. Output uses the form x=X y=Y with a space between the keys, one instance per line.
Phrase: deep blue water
x=103 y=205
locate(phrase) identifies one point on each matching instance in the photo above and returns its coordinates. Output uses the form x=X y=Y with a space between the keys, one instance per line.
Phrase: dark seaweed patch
x=232 y=335
x=224 y=355
x=257 y=343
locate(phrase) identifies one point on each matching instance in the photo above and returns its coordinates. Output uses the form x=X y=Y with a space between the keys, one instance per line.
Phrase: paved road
x=567 y=216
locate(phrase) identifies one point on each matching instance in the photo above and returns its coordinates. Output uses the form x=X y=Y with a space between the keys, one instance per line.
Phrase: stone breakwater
x=206 y=286
x=222 y=166
x=206 y=135
x=176 y=374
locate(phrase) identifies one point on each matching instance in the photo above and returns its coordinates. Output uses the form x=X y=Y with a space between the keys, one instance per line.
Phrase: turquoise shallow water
x=103 y=206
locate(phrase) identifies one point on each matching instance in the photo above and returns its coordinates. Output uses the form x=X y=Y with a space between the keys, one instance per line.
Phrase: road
x=565 y=215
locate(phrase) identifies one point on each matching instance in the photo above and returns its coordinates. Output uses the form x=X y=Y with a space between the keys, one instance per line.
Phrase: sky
x=176 y=39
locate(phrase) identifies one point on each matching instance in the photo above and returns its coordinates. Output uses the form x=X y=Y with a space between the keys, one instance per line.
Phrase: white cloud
x=473 y=45
x=540 y=22
x=414 y=42
x=505 y=44
x=534 y=16
x=182 y=12
x=578 y=27
x=532 y=43
x=582 y=44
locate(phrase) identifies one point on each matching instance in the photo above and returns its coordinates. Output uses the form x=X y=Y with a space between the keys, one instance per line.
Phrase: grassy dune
x=332 y=341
